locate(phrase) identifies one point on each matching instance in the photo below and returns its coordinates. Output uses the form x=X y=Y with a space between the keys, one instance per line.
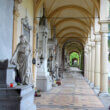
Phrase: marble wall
x=6 y=28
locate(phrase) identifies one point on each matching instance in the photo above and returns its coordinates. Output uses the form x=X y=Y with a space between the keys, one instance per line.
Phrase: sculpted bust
x=20 y=59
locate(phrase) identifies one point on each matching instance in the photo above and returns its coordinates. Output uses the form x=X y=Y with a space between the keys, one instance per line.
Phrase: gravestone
x=7 y=74
x=3 y=77
x=16 y=98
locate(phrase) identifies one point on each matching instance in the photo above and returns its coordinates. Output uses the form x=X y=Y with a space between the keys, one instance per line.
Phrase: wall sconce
x=41 y=59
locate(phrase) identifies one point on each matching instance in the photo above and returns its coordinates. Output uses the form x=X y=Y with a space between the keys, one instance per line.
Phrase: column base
x=96 y=90
x=104 y=94
x=44 y=83
x=92 y=85
x=88 y=82
x=85 y=79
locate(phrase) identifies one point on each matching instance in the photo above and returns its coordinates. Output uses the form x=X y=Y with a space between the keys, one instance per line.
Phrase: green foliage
x=72 y=56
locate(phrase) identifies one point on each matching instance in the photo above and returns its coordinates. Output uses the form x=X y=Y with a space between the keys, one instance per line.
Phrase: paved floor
x=73 y=94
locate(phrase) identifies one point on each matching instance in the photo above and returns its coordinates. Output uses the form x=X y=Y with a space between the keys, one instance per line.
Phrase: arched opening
x=74 y=59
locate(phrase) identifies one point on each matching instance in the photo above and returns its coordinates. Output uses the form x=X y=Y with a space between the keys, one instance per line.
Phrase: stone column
x=34 y=51
x=104 y=64
x=80 y=60
x=92 y=63
x=104 y=14
x=85 y=63
x=15 y=23
x=89 y=65
x=97 y=62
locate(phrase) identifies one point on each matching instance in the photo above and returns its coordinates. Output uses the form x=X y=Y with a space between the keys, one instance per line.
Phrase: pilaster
x=97 y=60
x=92 y=61
x=15 y=22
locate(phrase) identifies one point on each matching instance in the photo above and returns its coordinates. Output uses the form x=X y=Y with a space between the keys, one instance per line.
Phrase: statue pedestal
x=18 y=98
x=44 y=83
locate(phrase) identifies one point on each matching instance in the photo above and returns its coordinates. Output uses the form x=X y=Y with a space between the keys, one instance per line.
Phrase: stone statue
x=20 y=59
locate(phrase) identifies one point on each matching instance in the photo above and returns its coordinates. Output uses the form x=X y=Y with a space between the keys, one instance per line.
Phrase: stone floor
x=73 y=94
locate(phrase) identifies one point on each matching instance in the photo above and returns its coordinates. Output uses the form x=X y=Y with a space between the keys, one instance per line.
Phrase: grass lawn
x=109 y=90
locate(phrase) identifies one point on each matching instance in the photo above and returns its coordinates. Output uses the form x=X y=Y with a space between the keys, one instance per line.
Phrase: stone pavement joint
x=73 y=94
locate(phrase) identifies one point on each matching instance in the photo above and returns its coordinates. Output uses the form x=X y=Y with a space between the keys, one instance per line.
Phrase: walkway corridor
x=73 y=94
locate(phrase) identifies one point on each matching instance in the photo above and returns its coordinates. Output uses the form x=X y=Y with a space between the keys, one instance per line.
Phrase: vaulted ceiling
x=71 y=18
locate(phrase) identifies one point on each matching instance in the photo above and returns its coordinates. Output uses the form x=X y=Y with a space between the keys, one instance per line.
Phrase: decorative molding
x=104 y=21
x=96 y=33
x=25 y=21
x=98 y=38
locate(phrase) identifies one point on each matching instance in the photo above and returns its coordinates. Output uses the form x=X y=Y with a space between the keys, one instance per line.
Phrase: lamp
x=41 y=59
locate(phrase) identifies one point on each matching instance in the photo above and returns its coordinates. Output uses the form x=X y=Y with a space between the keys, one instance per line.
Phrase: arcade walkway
x=73 y=94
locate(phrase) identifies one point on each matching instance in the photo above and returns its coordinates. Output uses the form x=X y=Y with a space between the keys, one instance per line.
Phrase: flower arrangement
x=38 y=93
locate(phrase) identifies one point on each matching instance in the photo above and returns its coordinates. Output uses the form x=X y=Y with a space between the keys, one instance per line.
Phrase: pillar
x=85 y=63
x=92 y=62
x=89 y=65
x=104 y=14
x=104 y=63
x=34 y=52
x=80 y=61
x=97 y=62
x=15 y=23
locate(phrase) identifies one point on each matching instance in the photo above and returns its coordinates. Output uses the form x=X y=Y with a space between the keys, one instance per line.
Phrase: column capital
x=96 y=33
x=15 y=14
x=93 y=44
x=19 y=1
x=89 y=48
x=104 y=26
x=15 y=11
x=89 y=43
x=98 y=37
x=103 y=34
x=86 y=51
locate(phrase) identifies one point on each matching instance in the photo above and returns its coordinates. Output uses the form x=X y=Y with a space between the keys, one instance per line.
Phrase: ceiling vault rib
x=71 y=20
x=70 y=27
